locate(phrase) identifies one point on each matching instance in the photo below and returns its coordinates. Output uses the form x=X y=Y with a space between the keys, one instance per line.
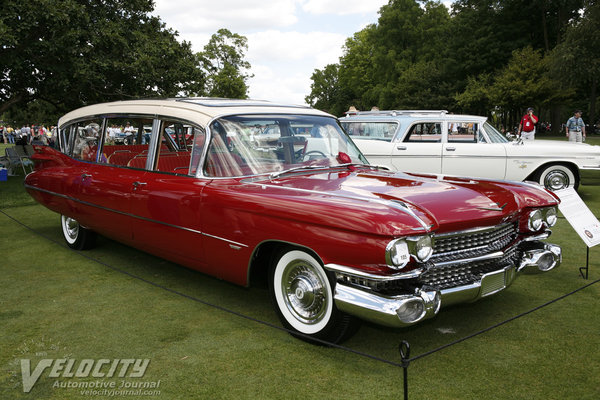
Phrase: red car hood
x=436 y=203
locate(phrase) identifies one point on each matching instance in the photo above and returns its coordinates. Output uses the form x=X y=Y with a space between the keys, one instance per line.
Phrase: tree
x=576 y=61
x=324 y=89
x=224 y=65
x=71 y=53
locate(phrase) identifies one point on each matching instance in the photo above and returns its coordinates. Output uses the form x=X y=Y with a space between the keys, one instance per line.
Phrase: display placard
x=579 y=216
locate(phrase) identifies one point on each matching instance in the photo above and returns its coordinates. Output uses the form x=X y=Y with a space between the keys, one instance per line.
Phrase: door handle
x=401 y=147
x=85 y=176
x=450 y=148
x=137 y=184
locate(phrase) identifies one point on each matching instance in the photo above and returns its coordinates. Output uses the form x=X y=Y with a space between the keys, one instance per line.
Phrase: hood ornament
x=499 y=208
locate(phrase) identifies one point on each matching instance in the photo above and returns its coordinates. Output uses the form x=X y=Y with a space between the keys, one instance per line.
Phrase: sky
x=287 y=39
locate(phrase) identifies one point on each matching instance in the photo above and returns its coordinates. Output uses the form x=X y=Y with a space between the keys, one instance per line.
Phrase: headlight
x=399 y=251
x=535 y=221
x=397 y=254
x=423 y=248
x=550 y=217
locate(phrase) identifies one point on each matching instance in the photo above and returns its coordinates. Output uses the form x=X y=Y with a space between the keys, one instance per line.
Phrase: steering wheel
x=304 y=158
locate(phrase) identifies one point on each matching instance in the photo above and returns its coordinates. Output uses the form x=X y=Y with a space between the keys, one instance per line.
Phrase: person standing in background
x=575 y=128
x=527 y=125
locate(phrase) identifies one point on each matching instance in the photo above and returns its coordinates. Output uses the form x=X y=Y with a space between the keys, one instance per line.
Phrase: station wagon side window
x=424 y=132
x=179 y=143
x=371 y=130
x=464 y=132
x=126 y=141
x=85 y=137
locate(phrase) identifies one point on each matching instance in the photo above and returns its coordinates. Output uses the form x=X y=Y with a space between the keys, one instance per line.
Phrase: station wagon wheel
x=76 y=236
x=302 y=293
x=556 y=177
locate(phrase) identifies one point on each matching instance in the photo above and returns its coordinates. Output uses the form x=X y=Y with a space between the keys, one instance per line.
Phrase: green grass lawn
x=57 y=303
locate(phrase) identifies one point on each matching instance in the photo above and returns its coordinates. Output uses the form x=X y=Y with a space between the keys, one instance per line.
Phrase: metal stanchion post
x=405 y=356
x=587 y=264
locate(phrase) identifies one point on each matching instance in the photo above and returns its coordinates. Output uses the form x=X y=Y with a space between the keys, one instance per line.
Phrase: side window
x=464 y=132
x=424 y=132
x=371 y=130
x=178 y=142
x=126 y=141
x=86 y=138
x=64 y=138
x=198 y=144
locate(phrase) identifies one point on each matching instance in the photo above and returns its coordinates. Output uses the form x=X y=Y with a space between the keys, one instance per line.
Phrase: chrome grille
x=451 y=247
x=446 y=269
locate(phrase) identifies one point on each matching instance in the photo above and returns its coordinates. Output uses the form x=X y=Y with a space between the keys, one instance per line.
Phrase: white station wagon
x=437 y=142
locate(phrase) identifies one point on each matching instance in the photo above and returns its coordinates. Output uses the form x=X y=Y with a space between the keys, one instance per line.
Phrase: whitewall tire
x=76 y=236
x=556 y=177
x=303 y=296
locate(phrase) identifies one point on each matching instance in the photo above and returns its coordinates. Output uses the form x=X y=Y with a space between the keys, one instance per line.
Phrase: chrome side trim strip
x=136 y=216
x=367 y=275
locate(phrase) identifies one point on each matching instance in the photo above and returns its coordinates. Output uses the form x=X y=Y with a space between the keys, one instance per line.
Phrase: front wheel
x=556 y=177
x=302 y=293
x=76 y=236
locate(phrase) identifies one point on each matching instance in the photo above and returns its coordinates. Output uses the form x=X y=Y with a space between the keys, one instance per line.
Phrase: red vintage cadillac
x=248 y=190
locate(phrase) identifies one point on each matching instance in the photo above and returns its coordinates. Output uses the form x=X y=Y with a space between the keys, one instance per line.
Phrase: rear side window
x=424 y=132
x=371 y=130
x=83 y=139
x=463 y=132
x=126 y=141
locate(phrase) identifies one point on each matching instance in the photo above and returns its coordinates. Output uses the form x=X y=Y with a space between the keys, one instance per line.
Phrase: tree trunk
x=592 y=114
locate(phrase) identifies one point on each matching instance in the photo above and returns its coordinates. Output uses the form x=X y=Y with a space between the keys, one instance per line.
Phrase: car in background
x=336 y=239
x=434 y=141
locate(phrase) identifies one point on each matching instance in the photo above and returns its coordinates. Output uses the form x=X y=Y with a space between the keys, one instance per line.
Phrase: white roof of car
x=413 y=114
x=198 y=109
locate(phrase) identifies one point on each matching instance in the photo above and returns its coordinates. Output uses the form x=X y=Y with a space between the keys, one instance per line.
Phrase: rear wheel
x=556 y=177
x=303 y=296
x=76 y=236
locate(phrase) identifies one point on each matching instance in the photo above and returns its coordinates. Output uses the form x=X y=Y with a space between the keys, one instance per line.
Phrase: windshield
x=493 y=134
x=260 y=144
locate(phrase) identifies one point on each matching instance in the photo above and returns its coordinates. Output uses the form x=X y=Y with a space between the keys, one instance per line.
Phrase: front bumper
x=425 y=302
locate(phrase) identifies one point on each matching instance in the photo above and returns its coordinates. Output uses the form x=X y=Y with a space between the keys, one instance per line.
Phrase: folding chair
x=15 y=159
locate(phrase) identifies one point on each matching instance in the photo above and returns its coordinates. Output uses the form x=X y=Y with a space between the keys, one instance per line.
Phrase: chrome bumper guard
x=542 y=258
x=394 y=311
x=408 y=309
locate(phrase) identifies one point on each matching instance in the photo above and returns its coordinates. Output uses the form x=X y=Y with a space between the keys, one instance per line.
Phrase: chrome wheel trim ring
x=303 y=292
x=70 y=229
x=556 y=180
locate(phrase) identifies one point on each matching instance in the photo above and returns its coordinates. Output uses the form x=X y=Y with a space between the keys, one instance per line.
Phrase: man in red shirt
x=527 y=125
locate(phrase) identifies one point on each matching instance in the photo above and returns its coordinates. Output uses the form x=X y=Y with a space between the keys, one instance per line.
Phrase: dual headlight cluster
x=399 y=251
x=539 y=217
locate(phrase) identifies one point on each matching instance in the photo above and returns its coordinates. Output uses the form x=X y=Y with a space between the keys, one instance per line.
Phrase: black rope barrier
x=404 y=345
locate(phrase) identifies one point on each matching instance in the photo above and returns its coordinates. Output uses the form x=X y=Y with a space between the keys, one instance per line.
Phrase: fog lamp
x=411 y=311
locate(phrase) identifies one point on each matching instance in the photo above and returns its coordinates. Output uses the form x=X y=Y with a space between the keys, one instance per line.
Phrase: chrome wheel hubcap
x=304 y=292
x=556 y=180
x=71 y=227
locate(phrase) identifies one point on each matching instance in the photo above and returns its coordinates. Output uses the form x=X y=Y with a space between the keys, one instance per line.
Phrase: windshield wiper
x=277 y=174
x=370 y=166
x=305 y=167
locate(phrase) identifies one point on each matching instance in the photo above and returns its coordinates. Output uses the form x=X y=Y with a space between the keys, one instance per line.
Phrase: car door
x=420 y=149
x=166 y=200
x=469 y=152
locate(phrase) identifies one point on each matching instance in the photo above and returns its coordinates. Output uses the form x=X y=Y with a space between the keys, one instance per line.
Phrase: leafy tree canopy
x=56 y=55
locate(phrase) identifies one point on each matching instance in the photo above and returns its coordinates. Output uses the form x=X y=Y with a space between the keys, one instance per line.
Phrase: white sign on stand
x=579 y=216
